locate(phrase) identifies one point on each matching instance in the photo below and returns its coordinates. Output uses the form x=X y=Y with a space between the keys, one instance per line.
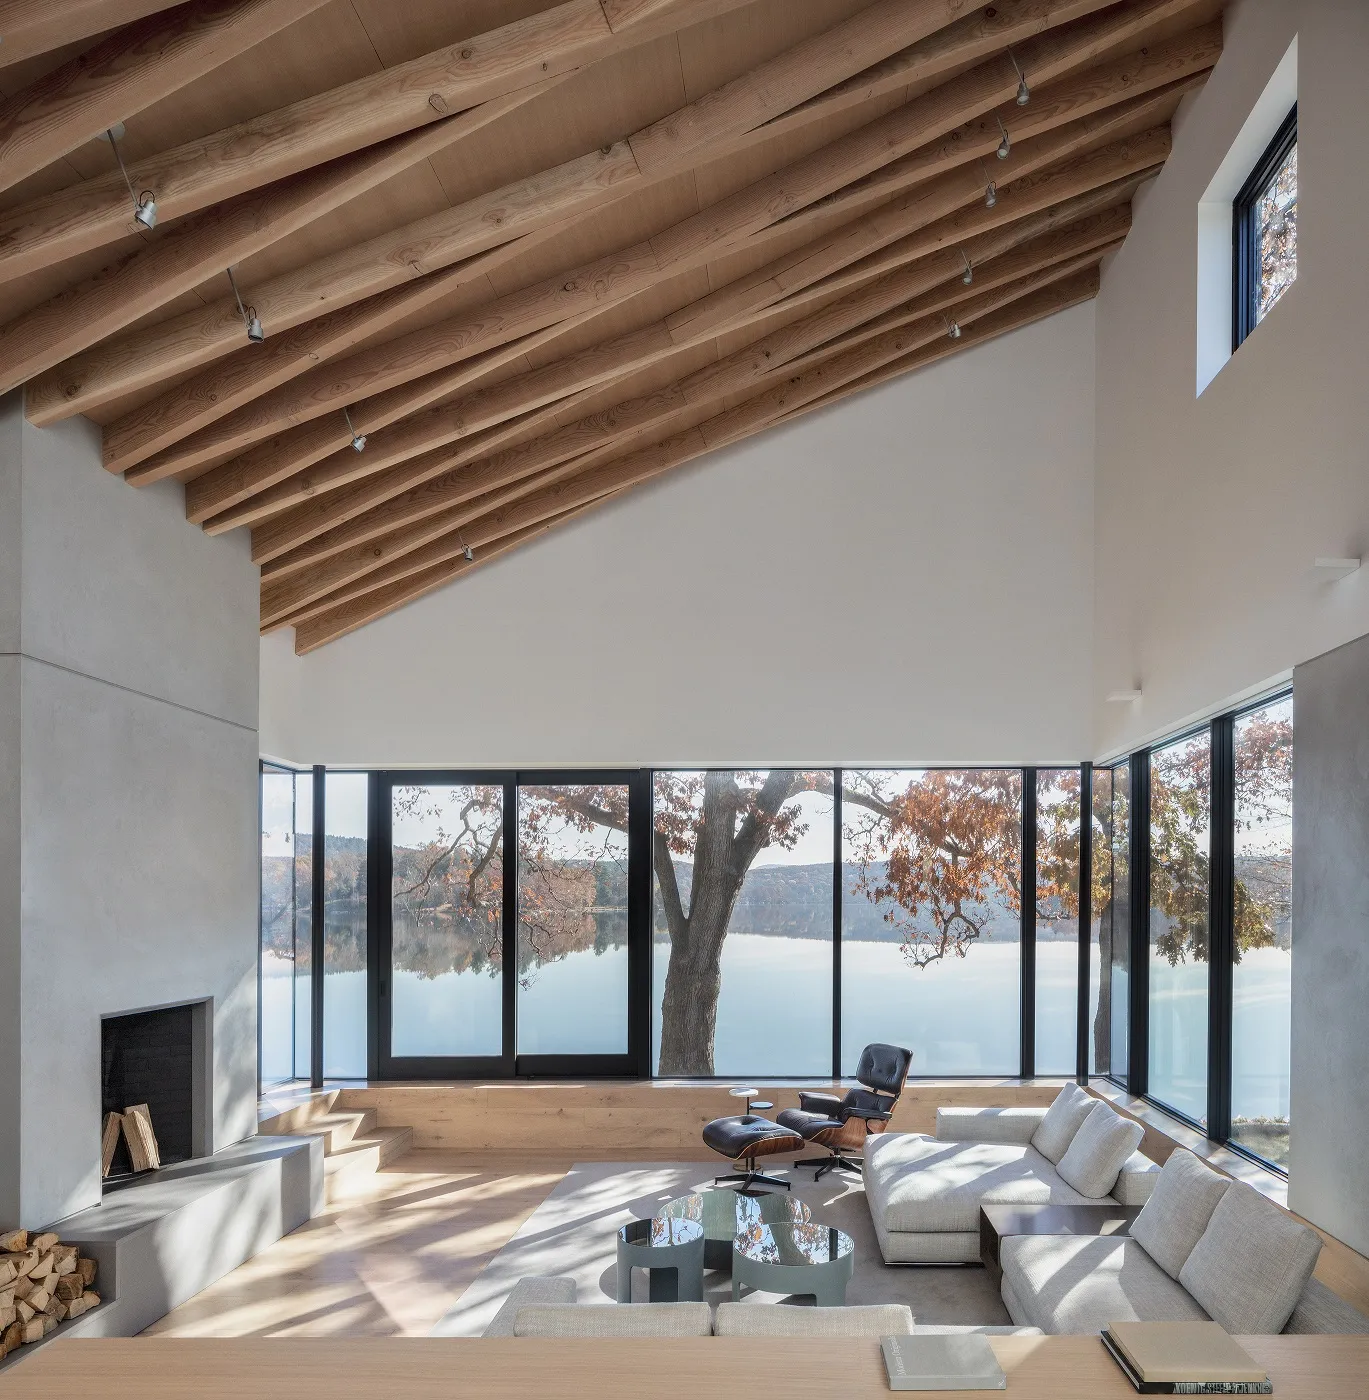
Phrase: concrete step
x=289 y=1110
x=367 y=1154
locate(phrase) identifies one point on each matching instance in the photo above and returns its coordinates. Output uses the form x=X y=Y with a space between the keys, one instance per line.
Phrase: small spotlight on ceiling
x=249 y=315
x=144 y=204
x=990 y=195
x=953 y=329
x=358 y=439
x=968 y=275
x=1005 y=145
x=1024 y=93
x=467 y=552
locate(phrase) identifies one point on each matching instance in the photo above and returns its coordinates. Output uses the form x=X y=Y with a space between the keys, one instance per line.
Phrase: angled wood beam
x=201 y=246
x=504 y=529
x=174 y=346
x=435 y=513
x=30 y=27
x=128 y=71
x=873 y=312
x=96 y=211
x=896 y=221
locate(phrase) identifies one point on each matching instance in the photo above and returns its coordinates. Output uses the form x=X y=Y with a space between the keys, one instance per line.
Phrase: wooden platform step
x=367 y=1154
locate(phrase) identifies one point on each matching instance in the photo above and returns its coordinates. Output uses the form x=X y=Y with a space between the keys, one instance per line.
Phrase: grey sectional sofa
x=925 y=1192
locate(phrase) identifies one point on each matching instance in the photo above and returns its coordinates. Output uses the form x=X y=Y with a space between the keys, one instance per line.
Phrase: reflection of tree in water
x=448 y=893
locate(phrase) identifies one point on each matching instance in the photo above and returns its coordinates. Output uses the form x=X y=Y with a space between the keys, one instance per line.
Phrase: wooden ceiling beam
x=504 y=531
x=424 y=352
x=434 y=513
x=887 y=305
x=1124 y=158
x=31 y=27
x=573 y=187
x=127 y=72
x=197 y=248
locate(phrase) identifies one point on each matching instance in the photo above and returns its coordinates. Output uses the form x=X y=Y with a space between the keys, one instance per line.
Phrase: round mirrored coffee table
x=803 y=1259
x=671 y=1250
x=725 y=1214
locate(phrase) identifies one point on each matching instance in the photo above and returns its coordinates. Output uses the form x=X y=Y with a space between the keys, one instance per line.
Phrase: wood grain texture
x=32 y=27
x=128 y=71
x=530 y=1368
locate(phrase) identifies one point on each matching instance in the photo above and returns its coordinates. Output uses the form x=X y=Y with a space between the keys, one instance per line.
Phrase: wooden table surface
x=1039 y=1368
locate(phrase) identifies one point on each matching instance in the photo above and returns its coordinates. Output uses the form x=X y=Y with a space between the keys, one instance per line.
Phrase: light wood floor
x=390 y=1254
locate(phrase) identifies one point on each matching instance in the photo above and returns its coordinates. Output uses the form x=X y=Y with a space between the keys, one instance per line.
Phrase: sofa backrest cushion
x=1251 y=1263
x=1096 y=1152
x=1056 y=1130
x=1320 y=1310
x=777 y=1320
x=616 y=1320
x=1173 y=1220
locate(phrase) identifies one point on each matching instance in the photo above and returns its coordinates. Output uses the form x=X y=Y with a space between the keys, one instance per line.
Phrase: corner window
x=1265 y=232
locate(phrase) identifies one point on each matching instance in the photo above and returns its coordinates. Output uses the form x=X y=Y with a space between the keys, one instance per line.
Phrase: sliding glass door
x=505 y=923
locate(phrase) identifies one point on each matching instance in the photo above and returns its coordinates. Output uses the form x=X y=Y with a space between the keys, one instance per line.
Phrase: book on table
x=942 y=1361
x=1184 y=1358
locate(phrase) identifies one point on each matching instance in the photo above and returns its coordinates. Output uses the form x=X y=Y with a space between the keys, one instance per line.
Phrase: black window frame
x=1245 y=230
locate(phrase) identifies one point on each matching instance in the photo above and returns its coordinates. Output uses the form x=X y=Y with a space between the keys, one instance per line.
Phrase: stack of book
x=1184 y=1358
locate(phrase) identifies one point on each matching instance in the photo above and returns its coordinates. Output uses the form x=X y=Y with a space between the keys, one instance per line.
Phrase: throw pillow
x=1104 y=1141
x=1056 y=1130
x=1172 y=1221
x=1251 y=1263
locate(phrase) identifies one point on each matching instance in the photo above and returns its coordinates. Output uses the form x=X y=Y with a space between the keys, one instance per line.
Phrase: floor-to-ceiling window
x=1263 y=929
x=1180 y=820
x=344 y=925
x=742 y=922
x=1057 y=920
x=286 y=923
x=931 y=917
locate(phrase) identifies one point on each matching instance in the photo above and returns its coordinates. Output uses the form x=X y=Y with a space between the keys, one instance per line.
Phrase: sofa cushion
x=1321 y=1310
x=529 y=1292
x=1063 y=1119
x=780 y=1320
x=915 y=1183
x=1081 y=1283
x=616 y=1320
x=1174 y=1218
x=1251 y=1263
x=988 y=1124
x=1097 y=1151
x=1136 y=1180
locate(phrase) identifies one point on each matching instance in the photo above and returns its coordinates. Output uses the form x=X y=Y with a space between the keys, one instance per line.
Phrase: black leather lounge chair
x=841 y=1125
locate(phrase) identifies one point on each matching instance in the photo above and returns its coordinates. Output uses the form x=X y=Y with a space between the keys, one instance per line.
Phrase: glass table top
x=794 y=1245
x=725 y=1214
x=661 y=1233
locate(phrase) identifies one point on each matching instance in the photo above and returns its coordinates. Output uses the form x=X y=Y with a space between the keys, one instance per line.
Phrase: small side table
x=996 y=1222
x=671 y=1250
x=804 y=1259
x=749 y=1094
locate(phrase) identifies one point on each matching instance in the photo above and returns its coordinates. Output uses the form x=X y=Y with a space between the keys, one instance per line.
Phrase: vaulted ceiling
x=533 y=254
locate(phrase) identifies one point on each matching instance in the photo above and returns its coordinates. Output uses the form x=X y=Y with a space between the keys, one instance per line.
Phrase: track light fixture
x=1005 y=145
x=467 y=552
x=990 y=195
x=1024 y=93
x=952 y=329
x=968 y=275
x=358 y=439
x=145 y=204
x=249 y=317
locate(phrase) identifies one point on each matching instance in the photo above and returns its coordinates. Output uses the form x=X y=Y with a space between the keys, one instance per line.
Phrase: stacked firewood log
x=43 y=1282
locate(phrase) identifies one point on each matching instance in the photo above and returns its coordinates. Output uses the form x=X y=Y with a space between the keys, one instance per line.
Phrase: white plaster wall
x=904 y=577
x=1212 y=509
x=128 y=750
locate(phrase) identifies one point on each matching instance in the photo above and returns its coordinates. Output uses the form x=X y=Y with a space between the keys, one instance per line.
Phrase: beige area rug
x=573 y=1232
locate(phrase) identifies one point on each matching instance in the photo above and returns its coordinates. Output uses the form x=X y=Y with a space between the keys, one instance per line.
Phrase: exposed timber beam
x=30 y=27
x=611 y=480
x=437 y=510
x=383 y=503
x=427 y=351
x=127 y=72
x=109 y=371
x=199 y=247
